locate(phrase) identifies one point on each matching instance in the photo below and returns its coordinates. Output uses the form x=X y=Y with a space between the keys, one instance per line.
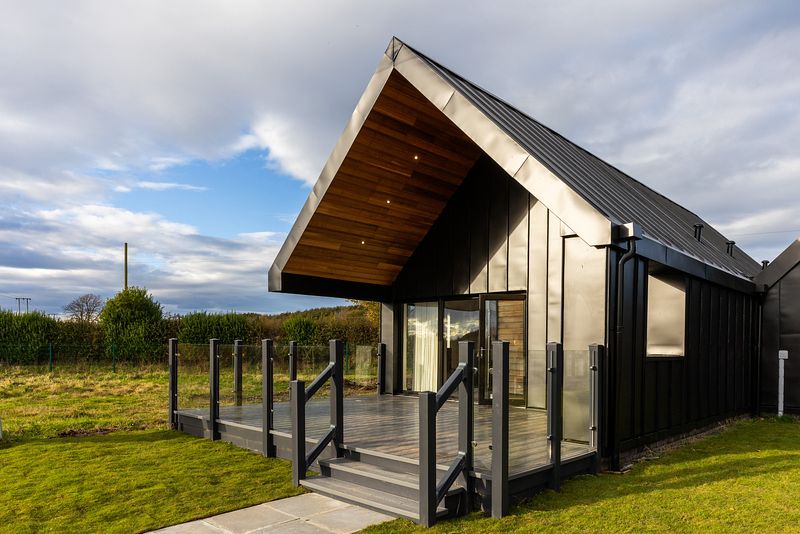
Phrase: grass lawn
x=745 y=479
x=124 y=472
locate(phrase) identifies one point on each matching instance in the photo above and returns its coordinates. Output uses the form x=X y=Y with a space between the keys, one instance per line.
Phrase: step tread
x=391 y=476
x=367 y=497
x=409 y=463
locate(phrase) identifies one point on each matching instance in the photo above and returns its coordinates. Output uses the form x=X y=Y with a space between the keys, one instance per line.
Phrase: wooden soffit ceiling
x=403 y=166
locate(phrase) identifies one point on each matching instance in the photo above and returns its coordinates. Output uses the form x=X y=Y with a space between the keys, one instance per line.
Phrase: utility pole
x=126 y=265
x=19 y=304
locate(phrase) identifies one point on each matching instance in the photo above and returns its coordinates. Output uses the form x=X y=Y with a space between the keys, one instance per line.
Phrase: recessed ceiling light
x=416 y=157
x=388 y=201
x=362 y=242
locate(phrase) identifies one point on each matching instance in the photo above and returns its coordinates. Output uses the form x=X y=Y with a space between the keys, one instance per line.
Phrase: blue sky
x=194 y=129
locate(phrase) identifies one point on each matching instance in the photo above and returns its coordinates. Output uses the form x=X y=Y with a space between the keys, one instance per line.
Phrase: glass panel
x=666 y=315
x=461 y=323
x=421 y=355
x=576 y=395
x=504 y=322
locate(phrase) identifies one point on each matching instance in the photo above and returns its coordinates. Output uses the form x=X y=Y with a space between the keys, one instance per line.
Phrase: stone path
x=309 y=513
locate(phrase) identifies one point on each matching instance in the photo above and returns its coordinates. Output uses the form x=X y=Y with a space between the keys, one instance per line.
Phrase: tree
x=370 y=309
x=84 y=308
x=132 y=324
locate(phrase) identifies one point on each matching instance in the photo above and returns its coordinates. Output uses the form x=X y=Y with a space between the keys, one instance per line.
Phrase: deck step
x=380 y=501
x=401 y=483
x=386 y=460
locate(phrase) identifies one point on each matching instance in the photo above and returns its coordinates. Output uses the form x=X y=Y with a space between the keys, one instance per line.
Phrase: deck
x=390 y=424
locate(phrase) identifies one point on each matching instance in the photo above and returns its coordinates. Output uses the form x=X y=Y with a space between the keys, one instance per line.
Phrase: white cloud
x=164 y=186
x=700 y=100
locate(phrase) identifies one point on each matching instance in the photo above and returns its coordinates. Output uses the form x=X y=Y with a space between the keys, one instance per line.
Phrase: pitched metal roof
x=780 y=266
x=610 y=191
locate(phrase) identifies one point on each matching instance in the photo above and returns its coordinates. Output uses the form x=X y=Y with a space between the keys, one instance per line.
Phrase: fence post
x=297 y=410
x=337 y=395
x=596 y=354
x=381 y=368
x=267 y=441
x=427 y=458
x=173 y=383
x=213 y=429
x=555 y=415
x=237 y=371
x=50 y=347
x=499 y=428
x=113 y=357
x=292 y=360
x=466 y=355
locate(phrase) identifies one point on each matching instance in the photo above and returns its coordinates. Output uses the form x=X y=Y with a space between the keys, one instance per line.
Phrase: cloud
x=164 y=186
x=698 y=99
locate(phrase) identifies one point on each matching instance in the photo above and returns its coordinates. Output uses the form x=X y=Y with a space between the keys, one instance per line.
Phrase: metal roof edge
x=334 y=161
x=780 y=266
x=591 y=224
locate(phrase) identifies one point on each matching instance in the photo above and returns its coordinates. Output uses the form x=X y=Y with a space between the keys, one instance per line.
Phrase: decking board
x=390 y=424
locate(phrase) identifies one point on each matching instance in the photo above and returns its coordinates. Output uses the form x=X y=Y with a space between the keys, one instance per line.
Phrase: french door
x=502 y=318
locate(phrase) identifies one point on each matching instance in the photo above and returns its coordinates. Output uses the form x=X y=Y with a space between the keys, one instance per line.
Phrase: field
x=88 y=451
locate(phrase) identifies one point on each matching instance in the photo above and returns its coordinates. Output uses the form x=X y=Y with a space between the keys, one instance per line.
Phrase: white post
x=783 y=355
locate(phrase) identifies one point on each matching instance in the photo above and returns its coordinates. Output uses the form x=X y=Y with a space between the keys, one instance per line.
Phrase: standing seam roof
x=615 y=194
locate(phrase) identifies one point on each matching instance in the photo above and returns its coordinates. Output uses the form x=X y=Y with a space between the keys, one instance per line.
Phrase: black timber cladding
x=715 y=379
x=612 y=192
x=467 y=249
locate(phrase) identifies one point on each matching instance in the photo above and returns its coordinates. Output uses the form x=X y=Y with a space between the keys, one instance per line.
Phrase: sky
x=194 y=130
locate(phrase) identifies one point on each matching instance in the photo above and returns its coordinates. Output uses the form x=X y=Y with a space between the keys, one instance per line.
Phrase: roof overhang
x=318 y=258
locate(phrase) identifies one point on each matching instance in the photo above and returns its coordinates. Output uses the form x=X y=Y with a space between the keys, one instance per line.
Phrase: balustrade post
x=596 y=357
x=427 y=458
x=555 y=409
x=381 y=368
x=337 y=394
x=267 y=377
x=292 y=360
x=213 y=404
x=297 y=408
x=237 y=372
x=500 y=377
x=173 y=383
x=466 y=410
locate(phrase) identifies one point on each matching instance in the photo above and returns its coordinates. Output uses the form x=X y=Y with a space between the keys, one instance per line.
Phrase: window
x=421 y=347
x=666 y=315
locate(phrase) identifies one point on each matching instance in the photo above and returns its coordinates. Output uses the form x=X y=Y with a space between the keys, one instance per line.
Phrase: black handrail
x=300 y=395
x=431 y=493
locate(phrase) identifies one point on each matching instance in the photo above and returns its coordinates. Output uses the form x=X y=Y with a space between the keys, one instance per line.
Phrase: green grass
x=126 y=472
x=129 y=482
x=745 y=479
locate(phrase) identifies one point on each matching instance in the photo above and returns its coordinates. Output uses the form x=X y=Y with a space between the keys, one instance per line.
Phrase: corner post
x=466 y=356
x=292 y=360
x=267 y=373
x=173 y=383
x=381 y=368
x=237 y=371
x=297 y=411
x=500 y=428
x=555 y=416
x=427 y=458
x=213 y=404
x=337 y=394
x=596 y=357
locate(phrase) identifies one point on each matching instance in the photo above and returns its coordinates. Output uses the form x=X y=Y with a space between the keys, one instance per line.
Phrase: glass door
x=502 y=319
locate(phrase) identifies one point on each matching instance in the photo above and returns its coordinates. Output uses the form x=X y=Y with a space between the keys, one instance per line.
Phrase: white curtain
x=425 y=347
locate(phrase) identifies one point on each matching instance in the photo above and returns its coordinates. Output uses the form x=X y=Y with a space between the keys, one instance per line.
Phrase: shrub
x=300 y=329
x=132 y=324
x=199 y=327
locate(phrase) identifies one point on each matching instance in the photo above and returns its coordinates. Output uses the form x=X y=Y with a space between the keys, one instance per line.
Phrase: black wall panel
x=467 y=249
x=660 y=397
x=781 y=331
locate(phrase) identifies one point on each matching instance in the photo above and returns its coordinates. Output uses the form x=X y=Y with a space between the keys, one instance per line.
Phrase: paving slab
x=309 y=513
